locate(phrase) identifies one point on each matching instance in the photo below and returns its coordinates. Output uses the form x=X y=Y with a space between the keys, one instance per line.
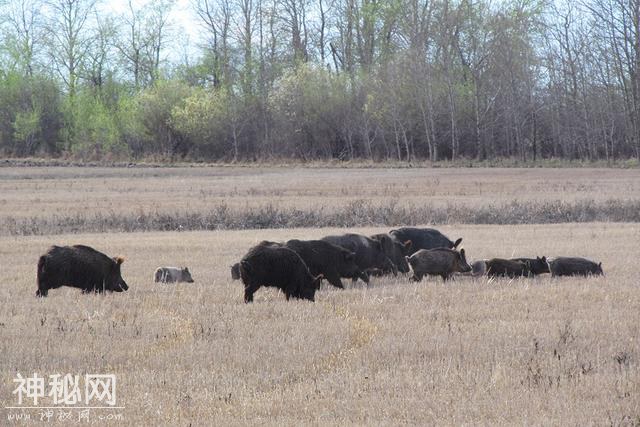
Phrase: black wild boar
x=498 y=267
x=280 y=267
x=537 y=265
x=320 y=257
x=376 y=272
x=424 y=238
x=330 y=260
x=79 y=267
x=395 y=250
x=574 y=266
x=369 y=253
x=235 y=268
x=437 y=262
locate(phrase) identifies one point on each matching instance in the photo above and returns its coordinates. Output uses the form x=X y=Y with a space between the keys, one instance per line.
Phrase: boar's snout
x=462 y=262
x=121 y=286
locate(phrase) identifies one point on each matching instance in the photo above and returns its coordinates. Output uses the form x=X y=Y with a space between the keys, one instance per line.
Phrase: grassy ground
x=49 y=200
x=545 y=351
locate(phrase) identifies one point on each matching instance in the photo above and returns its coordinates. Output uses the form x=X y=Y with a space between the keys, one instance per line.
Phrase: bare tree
x=293 y=14
x=68 y=38
x=215 y=16
x=23 y=33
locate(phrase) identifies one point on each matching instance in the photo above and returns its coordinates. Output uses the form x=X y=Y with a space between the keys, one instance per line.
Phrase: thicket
x=378 y=80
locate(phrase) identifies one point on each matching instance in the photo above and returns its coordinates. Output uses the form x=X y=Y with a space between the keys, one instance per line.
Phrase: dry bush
x=530 y=351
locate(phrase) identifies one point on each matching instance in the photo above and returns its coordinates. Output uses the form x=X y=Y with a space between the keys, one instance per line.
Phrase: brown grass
x=542 y=351
x=48 y=200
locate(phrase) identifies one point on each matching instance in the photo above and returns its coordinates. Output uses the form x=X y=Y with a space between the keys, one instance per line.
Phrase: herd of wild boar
x=297 y=267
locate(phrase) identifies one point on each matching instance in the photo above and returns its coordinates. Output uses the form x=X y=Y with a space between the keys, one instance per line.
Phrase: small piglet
x=172 y=275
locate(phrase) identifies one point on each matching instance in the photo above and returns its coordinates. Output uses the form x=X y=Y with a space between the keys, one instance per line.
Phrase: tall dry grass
x=52 y=200
x=543 y=351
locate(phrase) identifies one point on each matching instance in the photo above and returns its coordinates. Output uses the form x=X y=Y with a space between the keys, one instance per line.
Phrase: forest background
x=372 y=80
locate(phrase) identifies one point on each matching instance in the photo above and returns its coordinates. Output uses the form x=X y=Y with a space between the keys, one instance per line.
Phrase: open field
x=541 y=352
x=47 y=200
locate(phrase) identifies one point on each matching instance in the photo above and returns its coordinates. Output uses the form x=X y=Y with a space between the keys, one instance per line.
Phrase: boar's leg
x=363 y=276
x=416 y=277
x=391 y=266
x=248 y=293
x=43 y=289
x=334 y=280
x=375 y=272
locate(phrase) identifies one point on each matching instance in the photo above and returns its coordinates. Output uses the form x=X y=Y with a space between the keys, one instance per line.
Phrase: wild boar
x=498 y=267
x=172 y=275
x=80 y=267
x=537 y=265
x=280 y=267
x=369 y=253
x=329 y=260
x=395 y=250
x=574 y=266
x=437 y=262
x=424 y=238
x=479 y=268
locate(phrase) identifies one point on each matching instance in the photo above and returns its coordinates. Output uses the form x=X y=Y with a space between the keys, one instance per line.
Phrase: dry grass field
x=43 y=192
x=561 y=351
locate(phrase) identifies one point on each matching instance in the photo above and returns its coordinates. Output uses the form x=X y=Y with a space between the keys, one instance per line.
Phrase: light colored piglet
x=172 y=275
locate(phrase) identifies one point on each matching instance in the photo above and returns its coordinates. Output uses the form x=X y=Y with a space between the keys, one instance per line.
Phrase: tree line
x=322 y=79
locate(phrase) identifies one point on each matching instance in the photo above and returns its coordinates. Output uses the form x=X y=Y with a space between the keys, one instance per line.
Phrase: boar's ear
x=407 y=245
x=118 y=260
x=186 y=269
x=462 y=253
x=457 y=242
x=543 y=259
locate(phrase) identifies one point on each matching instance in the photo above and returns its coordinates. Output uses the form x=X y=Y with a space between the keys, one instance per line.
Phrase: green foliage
x=154 y=108
x=129 y=125
x=30 y=114
x=204 y=118
x=309 y=105
x=96 y=133
x=26 y=127
x=394 y=79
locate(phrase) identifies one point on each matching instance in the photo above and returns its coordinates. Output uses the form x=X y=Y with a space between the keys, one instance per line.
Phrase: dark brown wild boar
x=498 y=267
x=424 y=238
x=329 y=260
x=369 y=253
x=537 y=265
x=575 y=266
x=280 y=267
x=79 y=267
x=437 y=262
x=395 y=250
